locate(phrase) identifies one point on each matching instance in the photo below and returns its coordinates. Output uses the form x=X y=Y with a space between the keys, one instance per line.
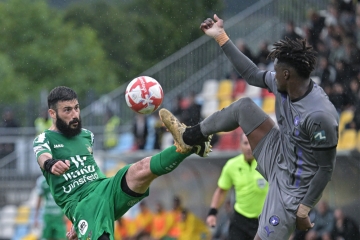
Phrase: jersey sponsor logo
x=75 y=183
x=319 y=136
x=268 y=231
x=274 y=220
x=79 y=172
x=83 y=226
x=77 y=160
x=58 y=145
x=132 y=202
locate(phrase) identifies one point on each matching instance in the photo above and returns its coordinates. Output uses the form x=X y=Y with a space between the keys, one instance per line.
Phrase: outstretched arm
x=217 y=200
x=247 y=69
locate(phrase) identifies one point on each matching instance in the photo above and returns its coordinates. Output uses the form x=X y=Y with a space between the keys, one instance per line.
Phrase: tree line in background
x=90 y=46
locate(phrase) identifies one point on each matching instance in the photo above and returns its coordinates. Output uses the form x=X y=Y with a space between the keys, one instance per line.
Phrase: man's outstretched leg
x=244 y=113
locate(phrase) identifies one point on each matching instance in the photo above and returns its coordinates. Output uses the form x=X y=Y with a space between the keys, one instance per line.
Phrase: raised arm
x=243 y=65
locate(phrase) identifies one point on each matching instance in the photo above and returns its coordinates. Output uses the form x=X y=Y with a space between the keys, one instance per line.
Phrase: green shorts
x=97 y=212
x=53 y=227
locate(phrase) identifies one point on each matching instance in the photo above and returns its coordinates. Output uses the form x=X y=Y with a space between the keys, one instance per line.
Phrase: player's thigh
x=278 y=219
x=267 y=152
x=94 y=215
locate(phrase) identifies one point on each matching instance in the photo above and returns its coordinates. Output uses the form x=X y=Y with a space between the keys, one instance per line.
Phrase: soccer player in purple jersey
x=297 y=156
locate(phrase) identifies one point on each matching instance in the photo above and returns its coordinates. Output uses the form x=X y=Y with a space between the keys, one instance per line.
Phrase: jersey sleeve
x=322 y=128
x=269 y=81
x=41 y=145
x=225 y=182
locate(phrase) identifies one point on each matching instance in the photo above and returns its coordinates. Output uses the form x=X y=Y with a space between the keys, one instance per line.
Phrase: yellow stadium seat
x=345 y=118
x=23 y=214
x=269 y=104
x=347 y=139
x=225 y=89
x=224 y=103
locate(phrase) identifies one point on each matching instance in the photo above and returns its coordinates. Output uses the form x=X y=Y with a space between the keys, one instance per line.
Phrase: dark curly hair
x=296 y=54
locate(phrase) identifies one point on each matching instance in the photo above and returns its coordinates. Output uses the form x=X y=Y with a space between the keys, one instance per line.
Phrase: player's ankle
x=193 y=135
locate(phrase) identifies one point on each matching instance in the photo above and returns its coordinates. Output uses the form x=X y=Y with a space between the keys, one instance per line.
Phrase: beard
x=66 y=129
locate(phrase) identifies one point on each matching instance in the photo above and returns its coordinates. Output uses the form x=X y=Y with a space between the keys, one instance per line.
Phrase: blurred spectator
x=352 y=55
x=175 y=213
x=121 y=231
x=324 y=223
x=262 y=55
x=353 y=92
x=159 y=132
x=143 y=222
x=290 y=31
x=8 y=119
x=243 y=47
x=337 y=50
x=161 y=223
x=42 y=122
x=343 y=73
x=355 y=123
x=344 y=228
x=192 y=114
x=140 y=130
x=179 y=107
x=316 y=25
x=338 y=97
x=325 y=72
x=193 y=227
x=111 y=132
x=322 y=49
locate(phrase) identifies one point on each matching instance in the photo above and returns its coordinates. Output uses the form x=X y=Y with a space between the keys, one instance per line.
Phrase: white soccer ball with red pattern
x=144 y=95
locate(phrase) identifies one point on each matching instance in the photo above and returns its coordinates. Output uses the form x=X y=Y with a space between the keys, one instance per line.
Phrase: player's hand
x=60 y=167
x=304 y=224
x=211 y=221
x=213 y=28
x=302 y=218
x=71 y=235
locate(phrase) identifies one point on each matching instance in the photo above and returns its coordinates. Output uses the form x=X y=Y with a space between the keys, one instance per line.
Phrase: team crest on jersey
x=83 y=226
x=296 y=120
x=274 y=220
x=261 y=183
x=89 y=148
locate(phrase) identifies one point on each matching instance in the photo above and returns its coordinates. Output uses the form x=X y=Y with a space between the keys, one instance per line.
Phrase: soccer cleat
x=177 y=130
x=203 y=149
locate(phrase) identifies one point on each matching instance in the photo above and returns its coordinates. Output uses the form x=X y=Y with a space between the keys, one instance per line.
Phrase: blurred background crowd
x=79 y=46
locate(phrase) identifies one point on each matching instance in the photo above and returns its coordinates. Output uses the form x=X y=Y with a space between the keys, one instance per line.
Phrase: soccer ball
x=144 y=95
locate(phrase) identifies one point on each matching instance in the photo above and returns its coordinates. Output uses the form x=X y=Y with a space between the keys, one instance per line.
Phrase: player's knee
x=243 y=103
x=105 y=236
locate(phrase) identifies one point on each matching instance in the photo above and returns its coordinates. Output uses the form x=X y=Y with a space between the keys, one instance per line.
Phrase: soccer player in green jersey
x=53 y=218
x=250 y=191
x=90 y=200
